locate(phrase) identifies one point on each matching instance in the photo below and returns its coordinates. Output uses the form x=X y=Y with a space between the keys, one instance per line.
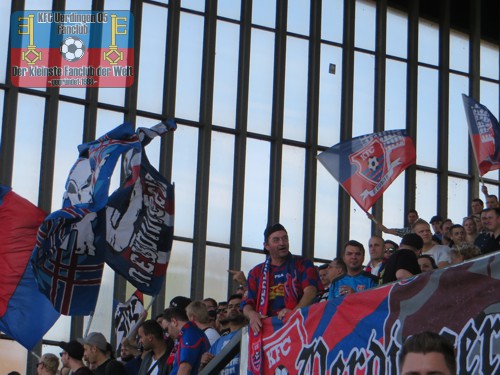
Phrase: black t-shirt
x=401 y=259
x=111 y=367
x=487 y=243
x=83 y=371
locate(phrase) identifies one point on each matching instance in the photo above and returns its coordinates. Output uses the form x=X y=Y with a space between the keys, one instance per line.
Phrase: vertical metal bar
x=380 y=73
x=9 y=117
x=168 y=110
x=474 y=82
x=443 y=100
x=277 y=114
x=346 y=108
x=411 y=99
x=311 y=162
x=240 y=144
x=204 y=144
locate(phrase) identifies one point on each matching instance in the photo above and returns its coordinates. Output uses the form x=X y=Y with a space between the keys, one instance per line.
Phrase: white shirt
x=440 y=253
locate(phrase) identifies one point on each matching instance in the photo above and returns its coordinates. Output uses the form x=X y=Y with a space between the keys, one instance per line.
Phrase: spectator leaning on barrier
x=284 y=282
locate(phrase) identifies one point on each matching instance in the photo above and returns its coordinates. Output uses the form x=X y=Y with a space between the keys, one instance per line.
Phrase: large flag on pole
x=140 y=219
x=484 y=135
x=126 y=316
x=25 y=313
x=71 y=247
x=68 y=258
x=365 y=166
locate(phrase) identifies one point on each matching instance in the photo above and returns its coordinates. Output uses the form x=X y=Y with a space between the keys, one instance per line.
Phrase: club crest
x=370 y=161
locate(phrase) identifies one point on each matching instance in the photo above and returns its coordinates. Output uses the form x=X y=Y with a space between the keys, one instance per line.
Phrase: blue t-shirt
x=232 y=367
x=359 y=282
x=192 y=344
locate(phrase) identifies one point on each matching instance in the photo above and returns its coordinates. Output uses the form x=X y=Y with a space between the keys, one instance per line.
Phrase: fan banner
x=72 y=48
x=131 y=229
x=126 y=317
x=363 y=332
x=365 y=166
x=484 y=134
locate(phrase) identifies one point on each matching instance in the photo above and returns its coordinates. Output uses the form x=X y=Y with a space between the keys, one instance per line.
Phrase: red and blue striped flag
x=25 y=313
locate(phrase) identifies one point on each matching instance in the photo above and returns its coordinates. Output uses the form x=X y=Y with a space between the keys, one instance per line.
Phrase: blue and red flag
x=484 y=134
x=140 y=219
x=364 y=332
x=25 y=313
x=68 y=258
x=132 y=229
x=365 y=166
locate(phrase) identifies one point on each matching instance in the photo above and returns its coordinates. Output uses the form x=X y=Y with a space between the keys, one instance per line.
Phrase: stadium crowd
x=189 y=334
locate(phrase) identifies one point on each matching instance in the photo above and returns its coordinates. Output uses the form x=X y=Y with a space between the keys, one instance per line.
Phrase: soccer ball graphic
x=72 y=49
x=373 y=163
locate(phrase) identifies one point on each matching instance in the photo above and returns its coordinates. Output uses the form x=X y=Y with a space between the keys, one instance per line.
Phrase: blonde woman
x=471 y=231
x=47 y=365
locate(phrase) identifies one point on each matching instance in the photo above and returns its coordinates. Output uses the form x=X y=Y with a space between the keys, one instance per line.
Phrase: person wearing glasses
x=390 y=248
x=71 y=357
x=47 y=365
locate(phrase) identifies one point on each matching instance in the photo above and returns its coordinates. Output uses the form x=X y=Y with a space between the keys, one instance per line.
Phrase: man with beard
x=355 y=280
x=151 y=338
x=71 y=357
x=235 y=320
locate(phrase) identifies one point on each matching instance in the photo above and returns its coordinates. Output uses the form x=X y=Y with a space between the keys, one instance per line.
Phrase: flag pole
x=88 y=324
x=140 y=320
x=471 y=137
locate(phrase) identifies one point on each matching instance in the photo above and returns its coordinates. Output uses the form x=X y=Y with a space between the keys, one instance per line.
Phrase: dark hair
x=492 y=196
x=445 y=221
x=455 y=226
x=323 y=267
x=212 y=301
x=175 y=312
x=478 y=200
x=429 y=342
x=412 y=211
x=392 y=243
x=431 y=259
x=496 y=209
x=151 y=327
x=235 y=296
x=355 y=244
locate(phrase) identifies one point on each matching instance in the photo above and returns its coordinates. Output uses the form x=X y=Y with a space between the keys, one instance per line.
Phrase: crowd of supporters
x=189 y=334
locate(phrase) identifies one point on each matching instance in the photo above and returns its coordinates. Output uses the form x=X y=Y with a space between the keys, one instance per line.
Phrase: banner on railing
x=363 y=333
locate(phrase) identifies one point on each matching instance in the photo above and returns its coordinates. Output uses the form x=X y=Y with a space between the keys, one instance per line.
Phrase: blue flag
x=25 y=313
x=140 y=219
x=69 y=256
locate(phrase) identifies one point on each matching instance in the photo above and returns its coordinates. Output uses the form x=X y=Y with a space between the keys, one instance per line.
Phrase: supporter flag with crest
x=25 y=313
x=484 y=134
x=72 y=243
x=365 y=166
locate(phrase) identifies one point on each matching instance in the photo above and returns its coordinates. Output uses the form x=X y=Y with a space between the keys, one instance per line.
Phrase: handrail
x=224 y=357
